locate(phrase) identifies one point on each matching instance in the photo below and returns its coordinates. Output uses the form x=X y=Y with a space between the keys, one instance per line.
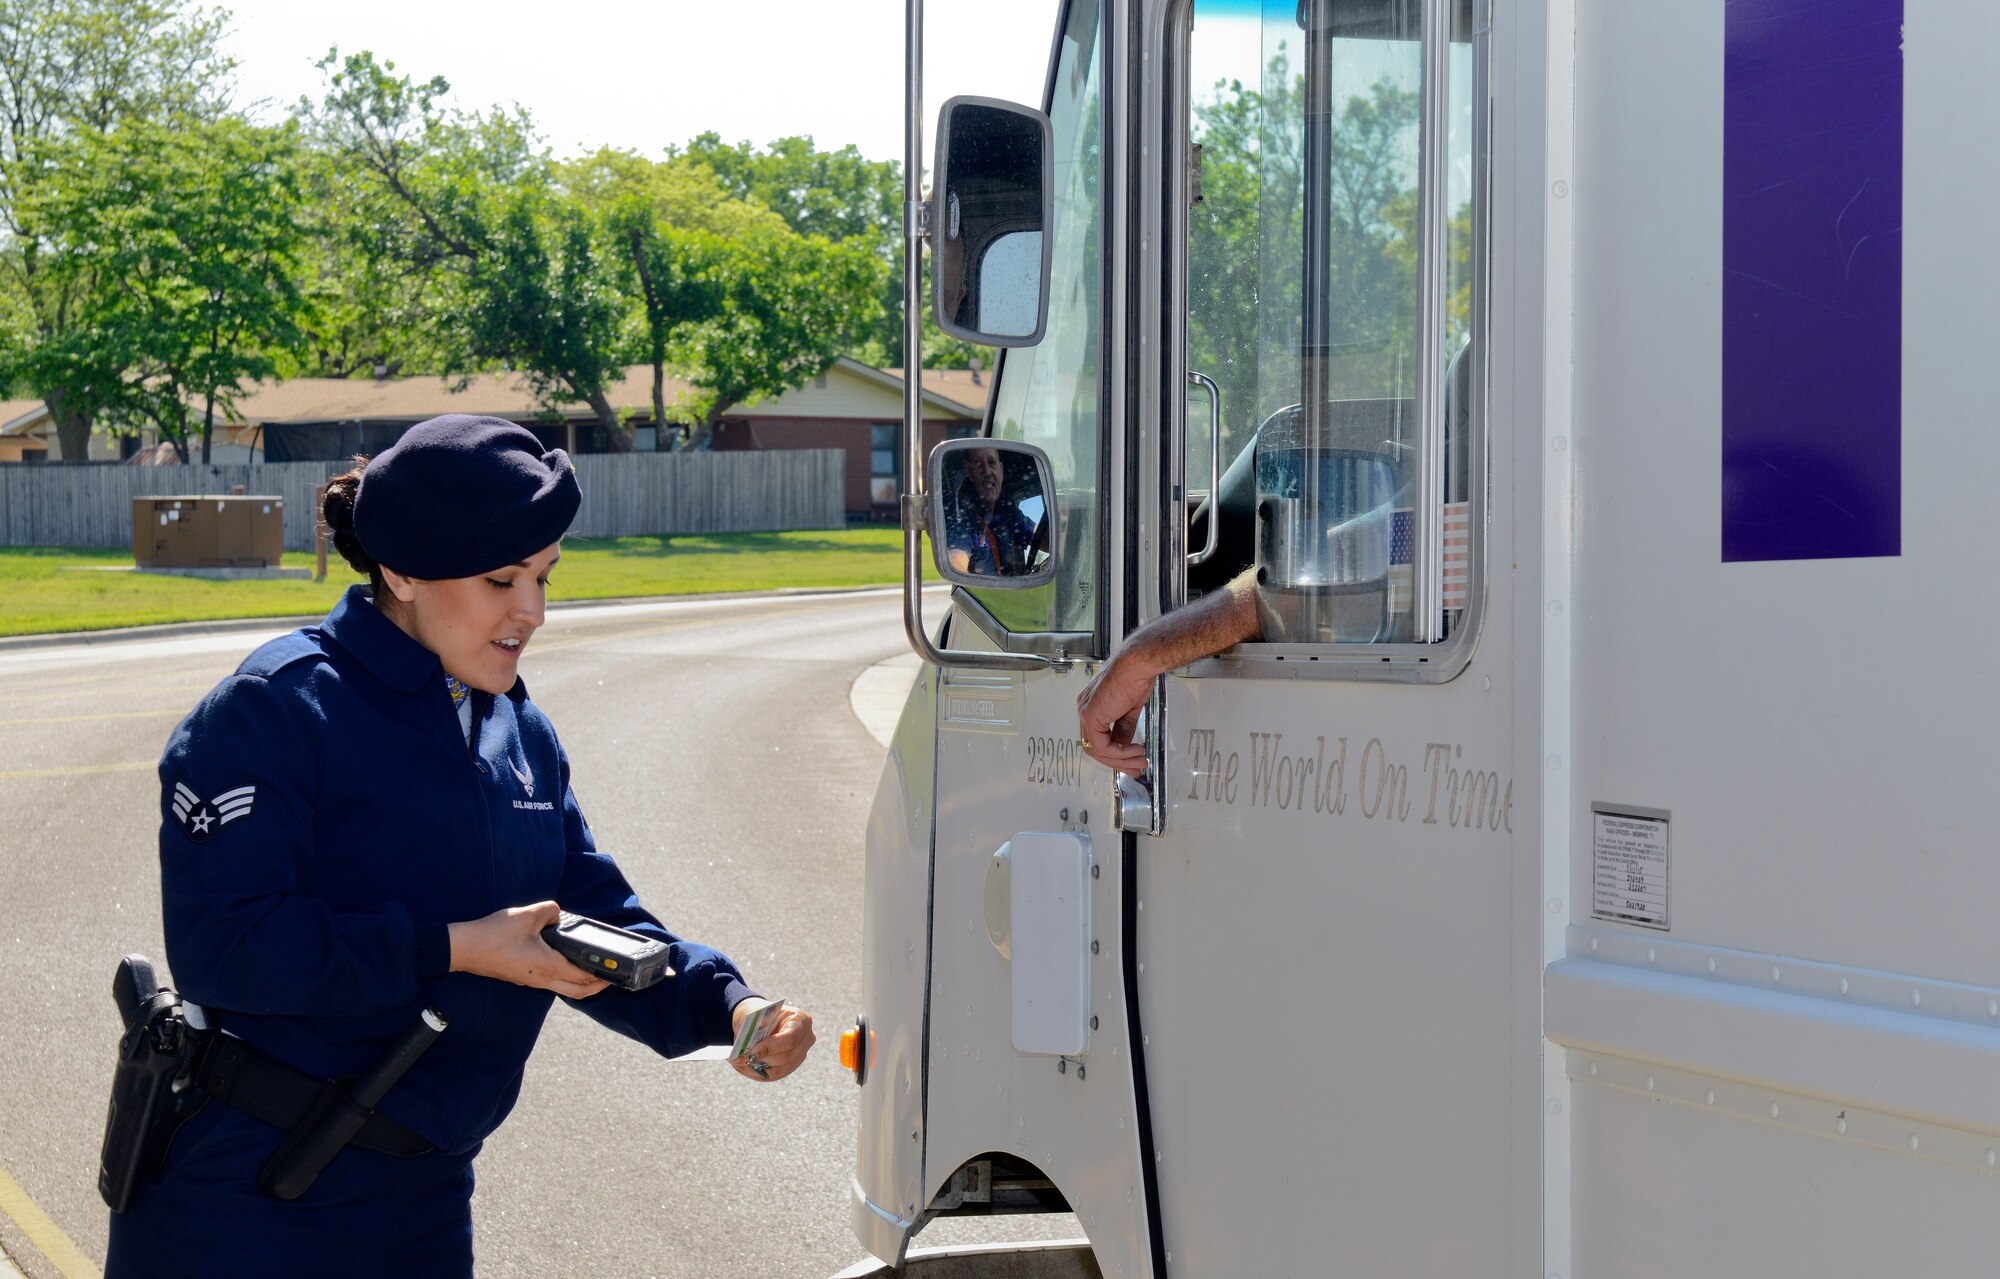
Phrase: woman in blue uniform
x=371 y=818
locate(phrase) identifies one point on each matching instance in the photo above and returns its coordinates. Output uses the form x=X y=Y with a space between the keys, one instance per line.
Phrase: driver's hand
x=1107 y=712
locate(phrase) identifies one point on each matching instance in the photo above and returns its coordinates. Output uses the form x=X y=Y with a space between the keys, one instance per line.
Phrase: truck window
x=1050 y=394
x=1325 y=277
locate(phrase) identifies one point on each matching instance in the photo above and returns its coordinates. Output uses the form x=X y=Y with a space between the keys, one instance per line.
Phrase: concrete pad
x=1056 y=1259
x=257 y=573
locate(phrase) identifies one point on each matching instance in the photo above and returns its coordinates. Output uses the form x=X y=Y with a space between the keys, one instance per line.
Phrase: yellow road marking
x=120 y=672
x=78 y=719
x=44 y=1234
x=78 y=770
x=149 y=682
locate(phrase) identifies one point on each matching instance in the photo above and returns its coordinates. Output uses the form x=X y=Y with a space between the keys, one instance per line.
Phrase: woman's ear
x=403 y=588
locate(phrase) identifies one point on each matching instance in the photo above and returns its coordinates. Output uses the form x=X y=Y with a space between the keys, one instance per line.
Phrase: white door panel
x=1074 y=1117
x=1329 y=980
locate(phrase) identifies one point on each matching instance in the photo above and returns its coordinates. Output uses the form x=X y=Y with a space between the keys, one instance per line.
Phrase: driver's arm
x=1108 y=708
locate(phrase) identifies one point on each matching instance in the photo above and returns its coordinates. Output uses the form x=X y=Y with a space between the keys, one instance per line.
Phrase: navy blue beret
x=462 y=495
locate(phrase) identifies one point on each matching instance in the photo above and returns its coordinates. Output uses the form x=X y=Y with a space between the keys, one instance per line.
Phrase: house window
x=882 y=449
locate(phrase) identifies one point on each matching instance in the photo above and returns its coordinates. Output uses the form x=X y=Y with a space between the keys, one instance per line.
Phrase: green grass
x=40 y=592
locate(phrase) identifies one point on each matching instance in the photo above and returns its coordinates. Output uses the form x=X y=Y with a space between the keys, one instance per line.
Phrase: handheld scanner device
x=626 y=959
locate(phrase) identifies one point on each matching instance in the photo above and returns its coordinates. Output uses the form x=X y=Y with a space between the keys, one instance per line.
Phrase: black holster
x=152 y=1090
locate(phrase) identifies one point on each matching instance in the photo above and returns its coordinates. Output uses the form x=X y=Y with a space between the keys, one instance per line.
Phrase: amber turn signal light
x=850 y=1048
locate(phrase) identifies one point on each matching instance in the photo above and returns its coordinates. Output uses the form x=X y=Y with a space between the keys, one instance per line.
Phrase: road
x=717 y=756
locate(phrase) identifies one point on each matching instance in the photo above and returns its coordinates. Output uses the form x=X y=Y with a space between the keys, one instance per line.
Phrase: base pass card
x=757 y=1027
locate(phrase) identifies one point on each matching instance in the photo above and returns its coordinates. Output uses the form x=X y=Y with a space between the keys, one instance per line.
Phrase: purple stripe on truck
x=1812 y=258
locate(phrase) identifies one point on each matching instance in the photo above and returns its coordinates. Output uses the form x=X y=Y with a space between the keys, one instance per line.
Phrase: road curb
x=877 y=695
x=228 y=626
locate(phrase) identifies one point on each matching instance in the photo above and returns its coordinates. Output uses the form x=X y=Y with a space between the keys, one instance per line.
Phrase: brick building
x=852 y=407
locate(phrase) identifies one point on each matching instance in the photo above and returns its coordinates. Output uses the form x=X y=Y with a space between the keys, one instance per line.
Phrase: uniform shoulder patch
x=201 y=818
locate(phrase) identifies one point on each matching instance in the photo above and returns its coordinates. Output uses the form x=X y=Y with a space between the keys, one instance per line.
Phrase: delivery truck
x=1571 y=880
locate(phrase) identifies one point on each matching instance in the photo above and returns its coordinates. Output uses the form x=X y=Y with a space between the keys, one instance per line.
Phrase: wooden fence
x=624 y=495
x=738 y=492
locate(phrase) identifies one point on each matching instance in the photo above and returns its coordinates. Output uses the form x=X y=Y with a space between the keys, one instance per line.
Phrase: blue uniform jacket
x=324 y=820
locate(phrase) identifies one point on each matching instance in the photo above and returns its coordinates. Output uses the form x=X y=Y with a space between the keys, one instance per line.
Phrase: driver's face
x=982 y=469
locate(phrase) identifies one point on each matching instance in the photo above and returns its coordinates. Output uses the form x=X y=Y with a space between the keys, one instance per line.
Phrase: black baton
x=340 y=1111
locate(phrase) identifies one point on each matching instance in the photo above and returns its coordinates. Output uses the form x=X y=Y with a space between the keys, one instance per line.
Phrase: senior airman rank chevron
x=201 y=818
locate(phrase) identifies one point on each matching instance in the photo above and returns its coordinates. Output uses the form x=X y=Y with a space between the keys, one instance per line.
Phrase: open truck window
x=1333 y=297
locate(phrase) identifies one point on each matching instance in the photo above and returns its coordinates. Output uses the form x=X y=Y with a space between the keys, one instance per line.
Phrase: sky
x=644 y=75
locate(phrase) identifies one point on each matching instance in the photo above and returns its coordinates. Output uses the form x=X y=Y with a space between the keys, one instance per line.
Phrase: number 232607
x=1055 y=761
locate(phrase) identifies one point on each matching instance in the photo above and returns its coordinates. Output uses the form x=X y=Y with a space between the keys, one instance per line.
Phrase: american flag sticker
x=1457 y=574
x=1456 y=564
x=1402 y=548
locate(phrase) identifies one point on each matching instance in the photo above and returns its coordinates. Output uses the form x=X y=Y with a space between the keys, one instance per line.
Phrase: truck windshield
x=1051 y=394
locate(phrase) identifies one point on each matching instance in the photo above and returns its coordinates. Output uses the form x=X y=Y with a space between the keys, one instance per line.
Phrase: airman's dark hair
x=337 y=510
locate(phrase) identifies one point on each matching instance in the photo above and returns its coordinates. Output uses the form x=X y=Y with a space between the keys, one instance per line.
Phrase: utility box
x=208 y=532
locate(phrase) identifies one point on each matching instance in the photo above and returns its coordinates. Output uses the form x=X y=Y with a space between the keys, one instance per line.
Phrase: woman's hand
x=507 y=946
x=783 y=1051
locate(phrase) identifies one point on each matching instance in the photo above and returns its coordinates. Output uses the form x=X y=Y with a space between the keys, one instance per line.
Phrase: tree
x=1402 y=252
x=93 y=64
x=1245 y=238
x=847 y=198
x=542 y=300
x=839 y=195
x=568 y=271
x=786 y=297
x=178 y=247
x=669 y=227
x=722 y=289
x=375 y=298
x=680 y=191
x=470 y=204
x=1372 y=209
x=1247 y=241
x=70 y=67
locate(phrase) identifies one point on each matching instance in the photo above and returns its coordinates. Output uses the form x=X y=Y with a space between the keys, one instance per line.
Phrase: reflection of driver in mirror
x=987 y=534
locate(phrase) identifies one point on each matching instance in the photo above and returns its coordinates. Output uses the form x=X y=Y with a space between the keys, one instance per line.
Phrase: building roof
x=959 y=397
x=17 y=415
x=318 y=399
x=964 y=386
x=314 y=399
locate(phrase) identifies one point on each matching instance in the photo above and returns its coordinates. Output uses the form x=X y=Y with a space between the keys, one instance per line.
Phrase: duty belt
x=265 y=1088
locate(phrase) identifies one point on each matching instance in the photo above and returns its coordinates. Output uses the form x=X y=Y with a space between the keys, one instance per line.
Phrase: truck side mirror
x=992 y=209
x=992 y=513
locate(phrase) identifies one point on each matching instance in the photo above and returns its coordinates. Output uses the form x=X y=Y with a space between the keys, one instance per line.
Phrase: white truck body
x=1639 y=925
